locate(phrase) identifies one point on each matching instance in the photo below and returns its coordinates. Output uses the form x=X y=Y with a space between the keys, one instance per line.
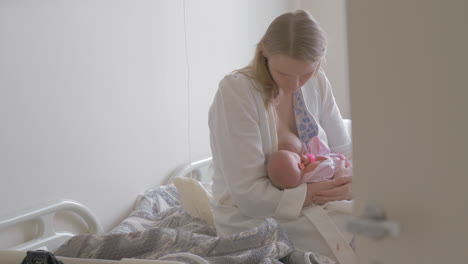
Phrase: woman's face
x=290 y=74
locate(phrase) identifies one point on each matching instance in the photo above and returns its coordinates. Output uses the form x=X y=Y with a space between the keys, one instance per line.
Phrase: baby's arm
x=306 y=159
x=311 y=162
x=338 y=157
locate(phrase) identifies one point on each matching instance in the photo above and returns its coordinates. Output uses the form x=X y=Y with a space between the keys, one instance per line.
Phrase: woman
x=280 y=101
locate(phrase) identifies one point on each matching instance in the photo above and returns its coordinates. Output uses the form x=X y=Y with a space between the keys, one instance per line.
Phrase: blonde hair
x=296 y=35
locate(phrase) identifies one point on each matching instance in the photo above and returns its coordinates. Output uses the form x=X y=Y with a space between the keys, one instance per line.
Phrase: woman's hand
x=339 y=188
x=342 y=185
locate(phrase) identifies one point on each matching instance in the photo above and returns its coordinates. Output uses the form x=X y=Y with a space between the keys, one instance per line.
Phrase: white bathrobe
x=243 y=135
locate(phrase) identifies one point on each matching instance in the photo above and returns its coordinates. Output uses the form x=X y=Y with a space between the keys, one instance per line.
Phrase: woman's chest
x=287 y=129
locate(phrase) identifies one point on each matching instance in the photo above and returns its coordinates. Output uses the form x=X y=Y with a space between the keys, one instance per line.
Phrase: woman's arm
x=240 y=137
x=331 y=120
x=338 y=141
x=313 y=189
x=334 y=190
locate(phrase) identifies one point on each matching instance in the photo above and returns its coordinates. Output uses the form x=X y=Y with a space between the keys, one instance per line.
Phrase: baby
x=288 y=169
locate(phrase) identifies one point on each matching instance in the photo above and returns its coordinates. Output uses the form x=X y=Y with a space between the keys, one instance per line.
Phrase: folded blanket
x=158 y=228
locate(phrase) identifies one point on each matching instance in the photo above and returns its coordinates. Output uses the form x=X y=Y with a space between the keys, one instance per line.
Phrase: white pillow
x=194 y=198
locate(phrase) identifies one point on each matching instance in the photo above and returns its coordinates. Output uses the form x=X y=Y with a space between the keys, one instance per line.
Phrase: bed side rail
x=194 y=170
x=44 y=216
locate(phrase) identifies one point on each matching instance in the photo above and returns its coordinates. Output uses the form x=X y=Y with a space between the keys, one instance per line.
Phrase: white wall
x=94 y=103
x=218 y=42
x=331 y=15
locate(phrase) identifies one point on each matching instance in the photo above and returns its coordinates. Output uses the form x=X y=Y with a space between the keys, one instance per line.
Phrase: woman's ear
x=261 y=48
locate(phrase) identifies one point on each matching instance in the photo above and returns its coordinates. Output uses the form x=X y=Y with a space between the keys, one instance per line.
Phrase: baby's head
x=284 y=169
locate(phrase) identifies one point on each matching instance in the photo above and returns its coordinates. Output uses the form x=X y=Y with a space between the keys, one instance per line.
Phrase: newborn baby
x=288 y=169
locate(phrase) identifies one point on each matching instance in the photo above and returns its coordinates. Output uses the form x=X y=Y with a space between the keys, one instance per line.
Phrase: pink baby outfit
x=326 y=168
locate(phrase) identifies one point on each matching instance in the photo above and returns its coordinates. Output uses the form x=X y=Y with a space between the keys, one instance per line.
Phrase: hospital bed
x=184 y=193
x=47 y=238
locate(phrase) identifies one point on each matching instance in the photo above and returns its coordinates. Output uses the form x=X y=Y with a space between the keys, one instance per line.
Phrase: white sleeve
x=331 y=119
x=236 y=142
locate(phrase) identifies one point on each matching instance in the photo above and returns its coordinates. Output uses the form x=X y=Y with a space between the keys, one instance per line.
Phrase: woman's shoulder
x=322 y=80
x=237 y=95
x=317 y=85
x=238 y=75
x=238 y=78
x=238 y=83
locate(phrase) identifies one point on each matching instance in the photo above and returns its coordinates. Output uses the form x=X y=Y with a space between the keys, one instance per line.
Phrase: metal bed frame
x=44 y=216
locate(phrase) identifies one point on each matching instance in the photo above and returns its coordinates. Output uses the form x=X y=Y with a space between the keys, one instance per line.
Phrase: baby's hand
x=300 y=165
x=320 y=158
x=308 y=158
x=305 y=159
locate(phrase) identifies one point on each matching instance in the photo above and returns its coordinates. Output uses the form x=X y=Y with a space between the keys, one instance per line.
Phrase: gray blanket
x=158 y=228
